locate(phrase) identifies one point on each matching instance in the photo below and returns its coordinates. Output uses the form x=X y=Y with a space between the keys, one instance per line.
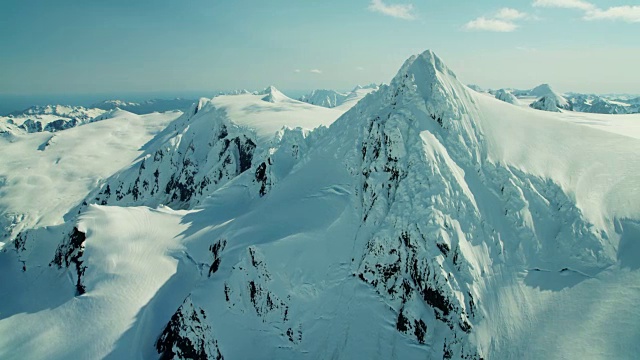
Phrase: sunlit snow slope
x=43 y=175
x=428 y=221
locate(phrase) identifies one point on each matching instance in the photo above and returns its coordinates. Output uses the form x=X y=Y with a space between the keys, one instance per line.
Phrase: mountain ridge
x=448 y=223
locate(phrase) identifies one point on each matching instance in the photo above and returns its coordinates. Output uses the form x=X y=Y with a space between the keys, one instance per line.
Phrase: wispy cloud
x=495 y=25
x=566 y=4
x=504 y=20
x=624 y=13
x=315 y=71
x=400 y=11
x=628 y=13
x=296 y=71
x=359 y=68
x=510 y=14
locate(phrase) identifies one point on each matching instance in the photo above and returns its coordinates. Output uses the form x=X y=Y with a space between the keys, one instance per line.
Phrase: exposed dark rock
x=188 y=336
x=70 y=252
x=402 y=323
x=216 y=249
x=420 y=330
x=444 y=248
x=436 y=299
x=261 y=178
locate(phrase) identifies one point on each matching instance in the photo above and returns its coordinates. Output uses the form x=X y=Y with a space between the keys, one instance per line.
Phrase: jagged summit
x=426 y=60
x=424 y=70
x=427 y=77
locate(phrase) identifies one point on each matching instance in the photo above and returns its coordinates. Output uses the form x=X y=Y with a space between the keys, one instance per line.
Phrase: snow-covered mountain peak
x=427 y=60
x=273 y=95
x=446 y=222
x=542 y=90
x=425 y=78
x=507 y=96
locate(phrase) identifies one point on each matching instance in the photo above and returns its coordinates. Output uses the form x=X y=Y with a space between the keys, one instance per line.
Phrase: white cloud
x=624 y=13
x=495 y=25
x=296 y=70
x=503 y=20
x=359 y=68
x=628 y=13
x=400 y=11
x=566 y=4
x=315 y=71
x=510 y=14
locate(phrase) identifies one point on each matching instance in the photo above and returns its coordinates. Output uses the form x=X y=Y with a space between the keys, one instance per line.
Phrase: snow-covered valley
x=420 y=219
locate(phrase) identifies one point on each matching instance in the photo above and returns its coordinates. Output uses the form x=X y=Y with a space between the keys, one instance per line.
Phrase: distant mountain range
x=332 y=98
x=546 y=98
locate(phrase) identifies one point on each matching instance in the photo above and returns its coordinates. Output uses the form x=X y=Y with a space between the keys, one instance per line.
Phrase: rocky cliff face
x=199 y=152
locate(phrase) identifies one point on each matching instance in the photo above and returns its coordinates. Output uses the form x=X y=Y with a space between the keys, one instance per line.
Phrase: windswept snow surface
x=131 y=254
x=43 y=175
x=427 y=221
x=271 y=110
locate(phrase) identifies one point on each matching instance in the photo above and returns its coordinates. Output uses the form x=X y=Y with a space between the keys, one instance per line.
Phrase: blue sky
x=110 y=46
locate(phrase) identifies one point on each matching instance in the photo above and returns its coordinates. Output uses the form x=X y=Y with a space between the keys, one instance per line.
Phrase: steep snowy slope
x=426 y=222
